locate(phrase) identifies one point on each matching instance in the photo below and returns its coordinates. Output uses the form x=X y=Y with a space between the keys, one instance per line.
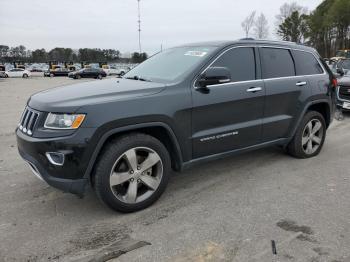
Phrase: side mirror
x=340 y=71
x=214 y=76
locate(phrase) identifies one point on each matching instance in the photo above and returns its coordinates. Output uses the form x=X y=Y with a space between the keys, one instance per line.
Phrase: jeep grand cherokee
x=183 y=106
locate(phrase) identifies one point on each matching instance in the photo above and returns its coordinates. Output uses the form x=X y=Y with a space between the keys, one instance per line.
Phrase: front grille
x=28 y=121
x=344 y=92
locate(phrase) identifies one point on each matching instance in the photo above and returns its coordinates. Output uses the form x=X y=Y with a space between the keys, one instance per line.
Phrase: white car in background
x=116 y=70
x=110 y=70
x=17 y=72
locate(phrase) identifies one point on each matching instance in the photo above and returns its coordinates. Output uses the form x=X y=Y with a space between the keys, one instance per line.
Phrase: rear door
x=285 y=92
x=229 y=116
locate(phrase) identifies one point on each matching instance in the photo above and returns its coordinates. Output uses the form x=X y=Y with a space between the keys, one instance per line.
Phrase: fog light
x=55 y=158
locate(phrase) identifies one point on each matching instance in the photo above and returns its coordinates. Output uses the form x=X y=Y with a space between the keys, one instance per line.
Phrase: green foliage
x=294 y=27
x=327 y=28
x=59 y=54
x=138 y=57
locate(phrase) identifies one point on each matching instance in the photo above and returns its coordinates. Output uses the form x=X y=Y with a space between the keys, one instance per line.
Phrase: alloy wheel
x=312 y=136
x=136 y=175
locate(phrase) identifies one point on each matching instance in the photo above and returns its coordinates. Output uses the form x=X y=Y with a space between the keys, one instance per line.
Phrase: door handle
x=300 y=83
x=254 y=89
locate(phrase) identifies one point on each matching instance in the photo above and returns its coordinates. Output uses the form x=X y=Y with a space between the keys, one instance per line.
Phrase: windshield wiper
x=140 y=78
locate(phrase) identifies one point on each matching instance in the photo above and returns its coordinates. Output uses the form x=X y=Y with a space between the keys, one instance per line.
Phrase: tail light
x=334 y=82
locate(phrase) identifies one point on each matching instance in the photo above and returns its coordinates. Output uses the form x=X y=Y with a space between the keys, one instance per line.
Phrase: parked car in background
x=116 y=70
x=36 y=70
x=97 y=73
x=57 y=72
x=343 y=92
x=341 y=54
x=122 y=70
x=343 y=66
x=185 y=105
x=110 y=70
x=17 y=72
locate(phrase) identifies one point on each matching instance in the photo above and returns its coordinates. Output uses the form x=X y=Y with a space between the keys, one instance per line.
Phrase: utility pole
x=139 y=22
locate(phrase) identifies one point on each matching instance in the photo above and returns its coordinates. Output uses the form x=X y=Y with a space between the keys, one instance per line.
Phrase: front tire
x=99 y=77
x=132 y=172
x=25 y=76
x=309 y=137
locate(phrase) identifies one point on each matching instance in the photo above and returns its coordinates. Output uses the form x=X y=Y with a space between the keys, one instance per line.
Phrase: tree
x=138 y=58
x=4 y=50
x=39 y=56
x=294 y=28
x=247 y=23
x=286 y=11
x=339 y=16
x=261 y=28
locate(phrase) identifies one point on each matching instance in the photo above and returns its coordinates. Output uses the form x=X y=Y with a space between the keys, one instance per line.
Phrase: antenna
x=139 y=22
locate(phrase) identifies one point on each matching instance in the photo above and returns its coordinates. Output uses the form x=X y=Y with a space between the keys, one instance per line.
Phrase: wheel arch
x=159 y=130
x=324 y=109
x=321 y=106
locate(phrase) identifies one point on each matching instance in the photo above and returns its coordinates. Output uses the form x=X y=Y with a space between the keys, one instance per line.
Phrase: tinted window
x=276 y=63
x=306 y=63
x=240 y=62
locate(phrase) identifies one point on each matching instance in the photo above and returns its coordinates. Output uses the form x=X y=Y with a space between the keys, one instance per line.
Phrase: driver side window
x=240 y=62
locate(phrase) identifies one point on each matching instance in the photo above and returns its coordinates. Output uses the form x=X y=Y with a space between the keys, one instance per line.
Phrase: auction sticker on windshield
x=196 y=53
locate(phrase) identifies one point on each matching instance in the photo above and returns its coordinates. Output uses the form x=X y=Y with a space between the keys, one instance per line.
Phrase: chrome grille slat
x=28 y=121
x=344 y=92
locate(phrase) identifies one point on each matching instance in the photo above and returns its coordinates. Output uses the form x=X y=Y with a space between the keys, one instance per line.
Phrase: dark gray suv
x=183 y=106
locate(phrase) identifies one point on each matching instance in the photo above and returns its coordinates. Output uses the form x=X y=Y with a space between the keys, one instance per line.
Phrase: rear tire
x=25 y=75
x=116 y=178
x=6 y=75
x=52 y=75
x=309 y=137
x=99 y=77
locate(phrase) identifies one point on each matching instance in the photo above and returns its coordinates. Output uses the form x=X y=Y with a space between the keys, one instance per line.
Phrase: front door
x=229 y=116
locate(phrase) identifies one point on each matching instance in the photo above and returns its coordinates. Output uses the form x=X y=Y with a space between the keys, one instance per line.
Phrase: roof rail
x=266 y=40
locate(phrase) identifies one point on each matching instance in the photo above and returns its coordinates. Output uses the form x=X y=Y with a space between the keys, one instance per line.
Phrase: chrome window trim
x=221 y=54
x=238 y=82
x=262 y=79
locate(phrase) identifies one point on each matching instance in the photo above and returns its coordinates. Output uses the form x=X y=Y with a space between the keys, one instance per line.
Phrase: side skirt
x=193 y=162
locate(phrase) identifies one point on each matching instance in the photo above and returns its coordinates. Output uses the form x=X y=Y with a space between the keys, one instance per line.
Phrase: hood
x=71 y=97
x=344 y=81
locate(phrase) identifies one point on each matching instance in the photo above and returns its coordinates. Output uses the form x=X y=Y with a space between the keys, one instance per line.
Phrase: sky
x=113 y=23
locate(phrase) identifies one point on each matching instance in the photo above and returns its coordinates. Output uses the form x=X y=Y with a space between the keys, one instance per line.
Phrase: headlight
x=64 y=121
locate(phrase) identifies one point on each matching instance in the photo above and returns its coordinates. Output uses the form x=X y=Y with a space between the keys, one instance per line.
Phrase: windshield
x=171 y=64
x=345 y=64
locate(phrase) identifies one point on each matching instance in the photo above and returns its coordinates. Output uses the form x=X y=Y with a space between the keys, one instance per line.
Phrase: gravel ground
x=228 y=210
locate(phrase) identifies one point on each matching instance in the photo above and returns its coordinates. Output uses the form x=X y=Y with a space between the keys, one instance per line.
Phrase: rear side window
x=276 y=62
x=306 y=63
x=241 y=63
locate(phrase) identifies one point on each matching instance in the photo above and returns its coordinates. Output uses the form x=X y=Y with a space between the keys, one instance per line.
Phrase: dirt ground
x=228 y=210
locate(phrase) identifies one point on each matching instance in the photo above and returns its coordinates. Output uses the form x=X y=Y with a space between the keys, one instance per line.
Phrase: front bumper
x=340 y=102
x=77 y=150
x=75 y=186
